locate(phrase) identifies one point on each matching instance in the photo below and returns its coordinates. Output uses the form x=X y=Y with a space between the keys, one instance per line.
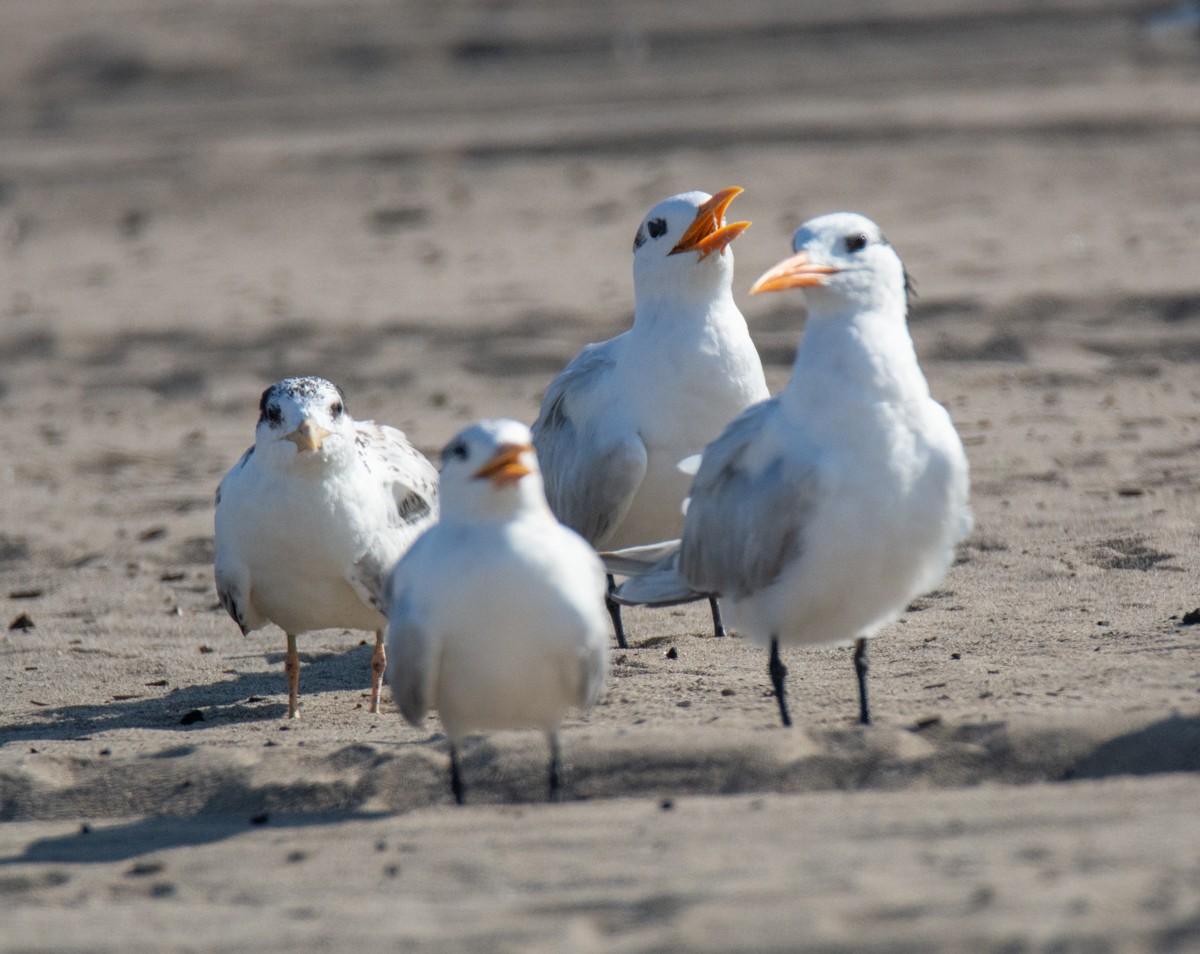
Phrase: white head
x=490 y=470
x=681 y=249
x=303 y=425
x=842 y=261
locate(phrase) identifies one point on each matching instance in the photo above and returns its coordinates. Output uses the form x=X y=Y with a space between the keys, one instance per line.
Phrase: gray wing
x=411 y=658
x=638 y=561
x=749 y=505
x=231 y=573
x=232 y=598
x=368 y=574
x=229 y=477
x=412 y=478
x=595 y=674
x=591 y=473
x=653 y=575
x=662 y=585
x=413 y=482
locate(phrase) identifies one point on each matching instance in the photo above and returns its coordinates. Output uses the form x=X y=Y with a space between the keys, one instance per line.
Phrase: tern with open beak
x=818 y=515
x=618 y=420
x=497 y=616
x=314 y=516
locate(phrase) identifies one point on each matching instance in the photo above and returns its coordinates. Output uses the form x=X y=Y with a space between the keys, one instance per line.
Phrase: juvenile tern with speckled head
x=820 y=514
x=314 y=516
x=497 y=614
x=616 y=422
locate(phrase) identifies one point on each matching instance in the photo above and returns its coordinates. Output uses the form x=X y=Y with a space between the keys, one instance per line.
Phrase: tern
x=617 y=421
x=497 y=616
x=818 y=515
x=313 y=517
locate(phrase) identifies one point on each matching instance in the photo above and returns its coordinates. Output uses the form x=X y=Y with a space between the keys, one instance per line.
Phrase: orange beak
x=505 y=467
x=308 y=436
x=795 y=272
x=706 y=234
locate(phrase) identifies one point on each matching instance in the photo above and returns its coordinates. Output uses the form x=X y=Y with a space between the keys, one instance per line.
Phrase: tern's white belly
x=300 y=540
x=865 y=555
x=298 y=601
x=520 y=639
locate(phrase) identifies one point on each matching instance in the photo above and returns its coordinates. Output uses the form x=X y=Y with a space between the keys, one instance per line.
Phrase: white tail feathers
x=653 y=575
x=634 y=561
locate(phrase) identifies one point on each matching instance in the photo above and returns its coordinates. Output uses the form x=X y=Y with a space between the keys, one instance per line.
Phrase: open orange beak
x=308 y=436
x=706 y=234
x=505 y=467
x=796 y=272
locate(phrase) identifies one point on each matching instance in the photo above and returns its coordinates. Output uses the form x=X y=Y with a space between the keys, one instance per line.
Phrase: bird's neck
x=497 y=505
x=851 y=350
x=313 y=465
x=689 y=311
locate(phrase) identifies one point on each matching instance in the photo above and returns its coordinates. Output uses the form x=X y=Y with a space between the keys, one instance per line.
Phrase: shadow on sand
x=126 y=840
x=246 y=697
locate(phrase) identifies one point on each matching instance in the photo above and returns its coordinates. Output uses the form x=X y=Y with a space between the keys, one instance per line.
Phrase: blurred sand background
x=433 y=204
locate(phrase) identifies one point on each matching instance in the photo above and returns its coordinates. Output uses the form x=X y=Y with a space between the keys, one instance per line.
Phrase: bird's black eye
x=657 y=228
x=336 y=409
x=457 y=450
x=273 y=415
x=856 y=242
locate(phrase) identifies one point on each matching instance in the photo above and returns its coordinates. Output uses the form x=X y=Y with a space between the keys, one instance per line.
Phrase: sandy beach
x=433 y=206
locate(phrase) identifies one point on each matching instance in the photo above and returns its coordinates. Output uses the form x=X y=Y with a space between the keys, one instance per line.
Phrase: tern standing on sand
x=818 y=515
x=313 y=517
x=497 y=614
x=616 y=422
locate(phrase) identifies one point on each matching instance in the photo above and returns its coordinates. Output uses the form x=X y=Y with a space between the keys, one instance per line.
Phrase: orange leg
x=378 y=666
x=291 y=665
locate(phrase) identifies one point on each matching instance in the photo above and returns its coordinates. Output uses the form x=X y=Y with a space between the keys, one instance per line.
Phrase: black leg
x=718 y=623
x=778 y=673
x=555 y=766
x=456 y=785
x=861 y=668
x=614 y=610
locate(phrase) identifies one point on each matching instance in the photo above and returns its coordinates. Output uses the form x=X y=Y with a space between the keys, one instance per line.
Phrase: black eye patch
x=272 y=415
x=457 y=450
x=657 y=227
x=856 y=242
